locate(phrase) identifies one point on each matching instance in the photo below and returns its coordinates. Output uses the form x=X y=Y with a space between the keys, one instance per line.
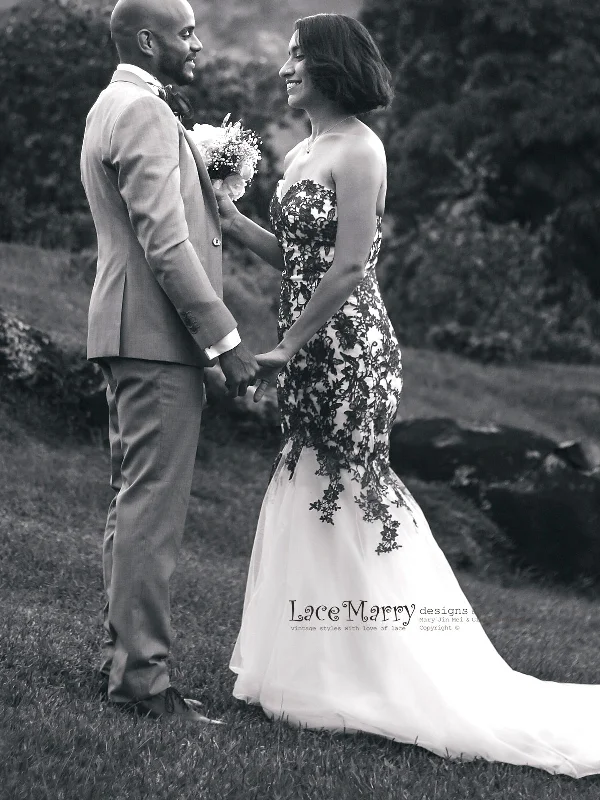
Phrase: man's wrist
x=227 y=343
x=227 y=352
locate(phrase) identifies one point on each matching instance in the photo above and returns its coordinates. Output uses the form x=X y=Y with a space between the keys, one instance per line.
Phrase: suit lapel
x=205 y=182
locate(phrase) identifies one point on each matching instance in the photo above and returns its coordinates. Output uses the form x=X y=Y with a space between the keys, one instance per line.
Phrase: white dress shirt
x=154 y=83
x=233 y=338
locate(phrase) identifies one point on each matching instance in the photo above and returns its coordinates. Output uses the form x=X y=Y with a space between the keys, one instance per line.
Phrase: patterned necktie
x=176 y=102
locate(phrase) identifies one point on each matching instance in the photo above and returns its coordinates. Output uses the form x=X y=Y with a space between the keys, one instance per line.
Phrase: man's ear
x=146 y=42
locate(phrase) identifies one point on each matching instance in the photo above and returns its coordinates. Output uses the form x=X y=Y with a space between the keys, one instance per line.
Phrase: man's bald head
x=157 y=35
x=129 y=17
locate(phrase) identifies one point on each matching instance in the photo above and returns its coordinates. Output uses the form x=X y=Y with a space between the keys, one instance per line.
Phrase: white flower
x=207 y=135
x=207 y=138
x=234 y=185
x=246 y=170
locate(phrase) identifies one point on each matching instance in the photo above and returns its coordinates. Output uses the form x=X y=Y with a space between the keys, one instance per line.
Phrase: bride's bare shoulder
x=369 y=138
x=362 y=143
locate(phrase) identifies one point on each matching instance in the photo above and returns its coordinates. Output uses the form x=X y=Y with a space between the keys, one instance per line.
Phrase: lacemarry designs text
x=388 y=617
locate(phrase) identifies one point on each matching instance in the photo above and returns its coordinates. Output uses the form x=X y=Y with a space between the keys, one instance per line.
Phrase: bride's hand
x=270 y=365
x=227 y=208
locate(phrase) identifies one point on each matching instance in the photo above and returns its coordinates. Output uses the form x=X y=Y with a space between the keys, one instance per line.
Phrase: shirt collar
x=141 y=73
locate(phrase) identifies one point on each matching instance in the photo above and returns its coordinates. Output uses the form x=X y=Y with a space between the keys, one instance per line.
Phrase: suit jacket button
x=216 y=241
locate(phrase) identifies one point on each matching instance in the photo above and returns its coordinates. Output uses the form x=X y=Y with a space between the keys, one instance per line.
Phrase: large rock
x=443 y=450
x=553 y=517
x=543 y=495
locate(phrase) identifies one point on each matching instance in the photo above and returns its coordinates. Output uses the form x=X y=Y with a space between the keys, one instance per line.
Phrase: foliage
x=512 y=84
x=496 y=110
x=480 y=288
x=52 y=63
x=55 y=58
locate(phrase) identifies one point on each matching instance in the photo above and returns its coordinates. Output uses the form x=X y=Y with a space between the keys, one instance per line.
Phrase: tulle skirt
x=336 y=637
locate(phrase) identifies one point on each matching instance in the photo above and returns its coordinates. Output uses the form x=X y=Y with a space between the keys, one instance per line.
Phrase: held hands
x=270 y=365
x=240 y=369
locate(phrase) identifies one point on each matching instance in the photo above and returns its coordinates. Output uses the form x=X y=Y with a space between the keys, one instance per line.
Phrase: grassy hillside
x=558 y=400
x=59 y=739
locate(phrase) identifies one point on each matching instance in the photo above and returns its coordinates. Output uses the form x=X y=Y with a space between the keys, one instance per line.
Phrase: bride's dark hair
x=344 y=62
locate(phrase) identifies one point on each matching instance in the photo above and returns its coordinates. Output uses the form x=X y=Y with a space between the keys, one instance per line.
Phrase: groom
x=156 y=318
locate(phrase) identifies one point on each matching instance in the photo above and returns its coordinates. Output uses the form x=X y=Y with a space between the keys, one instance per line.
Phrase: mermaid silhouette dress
x=339 y=629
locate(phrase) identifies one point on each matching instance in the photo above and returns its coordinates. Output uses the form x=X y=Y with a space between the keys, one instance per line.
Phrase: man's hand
x=240 y=369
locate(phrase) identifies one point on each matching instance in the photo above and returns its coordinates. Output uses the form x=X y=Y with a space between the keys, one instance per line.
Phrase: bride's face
x=299 y=85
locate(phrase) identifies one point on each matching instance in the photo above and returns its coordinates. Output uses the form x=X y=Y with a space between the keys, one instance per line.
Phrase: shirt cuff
x=226 y=343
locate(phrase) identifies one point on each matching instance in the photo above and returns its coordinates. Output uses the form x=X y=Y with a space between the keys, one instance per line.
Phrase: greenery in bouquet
x=231 y=154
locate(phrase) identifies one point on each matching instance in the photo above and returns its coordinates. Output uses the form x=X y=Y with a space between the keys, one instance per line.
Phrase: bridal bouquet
x=230 y=153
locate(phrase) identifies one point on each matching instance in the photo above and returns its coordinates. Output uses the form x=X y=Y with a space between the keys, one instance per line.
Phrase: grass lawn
x=559 y=400
x=60 y=741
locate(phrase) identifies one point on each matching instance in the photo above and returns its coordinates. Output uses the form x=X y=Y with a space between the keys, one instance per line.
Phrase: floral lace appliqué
x=339 y=394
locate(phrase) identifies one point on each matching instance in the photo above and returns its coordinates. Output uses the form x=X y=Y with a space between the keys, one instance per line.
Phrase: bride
x=353 y=619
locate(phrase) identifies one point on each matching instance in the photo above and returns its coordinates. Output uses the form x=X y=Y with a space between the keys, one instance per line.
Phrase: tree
x=512 y=85
x=53 y=63
x=55 y=58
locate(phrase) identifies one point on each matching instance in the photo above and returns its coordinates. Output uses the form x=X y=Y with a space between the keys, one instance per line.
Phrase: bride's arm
x=358 y=173
x=263 y=243
x=250 y=234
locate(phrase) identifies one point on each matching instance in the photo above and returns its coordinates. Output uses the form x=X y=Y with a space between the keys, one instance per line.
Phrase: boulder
x=444 y=450
x=544 y=495
x=553 y=517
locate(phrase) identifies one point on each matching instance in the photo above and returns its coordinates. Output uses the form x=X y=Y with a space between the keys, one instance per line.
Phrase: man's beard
x=174 y=70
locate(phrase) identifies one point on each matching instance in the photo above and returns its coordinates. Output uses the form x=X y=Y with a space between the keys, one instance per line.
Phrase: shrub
x=55 y=58
x=482 y=289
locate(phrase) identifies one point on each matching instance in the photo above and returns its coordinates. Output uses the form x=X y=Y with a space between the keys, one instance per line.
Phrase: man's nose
x=196 y=44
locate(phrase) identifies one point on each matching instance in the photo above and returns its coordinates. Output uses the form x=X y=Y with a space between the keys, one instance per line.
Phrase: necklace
x=309 y=142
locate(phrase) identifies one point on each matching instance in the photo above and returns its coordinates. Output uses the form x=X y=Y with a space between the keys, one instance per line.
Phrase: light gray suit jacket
x=158 y=288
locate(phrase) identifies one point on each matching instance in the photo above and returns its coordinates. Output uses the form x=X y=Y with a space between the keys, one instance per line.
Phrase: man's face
x=178 y=46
